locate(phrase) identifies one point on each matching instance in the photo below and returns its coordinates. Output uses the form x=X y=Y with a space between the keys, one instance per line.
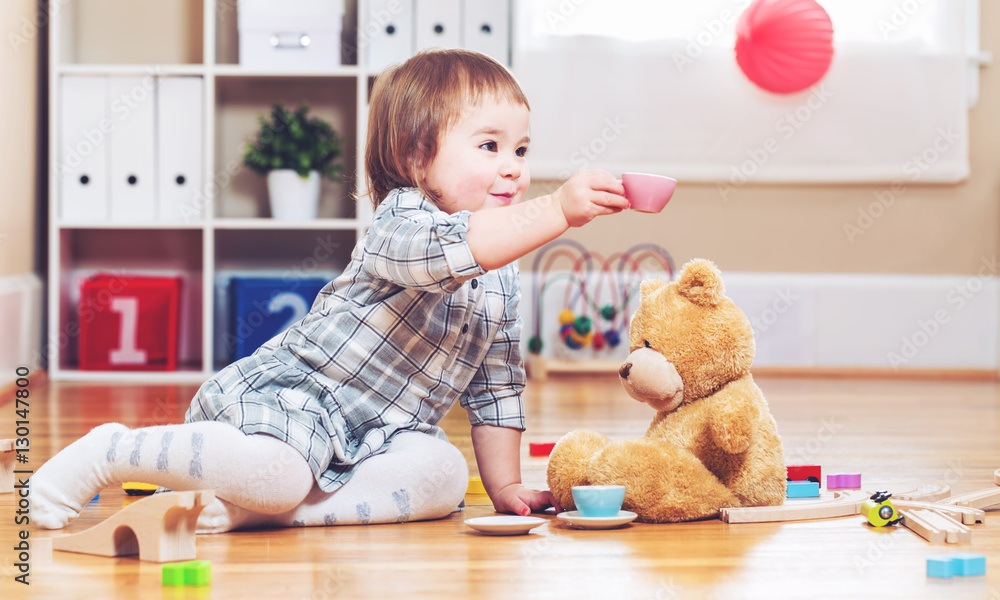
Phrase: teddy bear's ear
x=649 y=286
x=701 y=283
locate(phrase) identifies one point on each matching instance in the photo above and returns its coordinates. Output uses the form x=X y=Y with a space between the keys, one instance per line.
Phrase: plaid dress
x=413 y=325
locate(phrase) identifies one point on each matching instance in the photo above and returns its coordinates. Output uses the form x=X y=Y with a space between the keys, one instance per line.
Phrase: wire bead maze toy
x=591 y=316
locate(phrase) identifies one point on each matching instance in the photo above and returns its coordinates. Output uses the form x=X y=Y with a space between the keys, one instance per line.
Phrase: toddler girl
x=333 y=421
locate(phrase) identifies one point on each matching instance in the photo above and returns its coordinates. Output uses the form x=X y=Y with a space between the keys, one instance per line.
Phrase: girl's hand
x=520 y=500
x=590 y=194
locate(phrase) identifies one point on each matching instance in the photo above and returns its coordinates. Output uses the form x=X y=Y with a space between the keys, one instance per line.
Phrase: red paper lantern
x=784 y=46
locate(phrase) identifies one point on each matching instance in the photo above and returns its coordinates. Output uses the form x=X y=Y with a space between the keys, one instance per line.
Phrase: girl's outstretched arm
x=499 y=236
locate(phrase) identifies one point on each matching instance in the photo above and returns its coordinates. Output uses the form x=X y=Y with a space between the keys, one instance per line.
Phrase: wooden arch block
x=159 y=528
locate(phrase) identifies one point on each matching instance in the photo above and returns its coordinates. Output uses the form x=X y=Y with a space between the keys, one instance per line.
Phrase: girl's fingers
x=612 y=200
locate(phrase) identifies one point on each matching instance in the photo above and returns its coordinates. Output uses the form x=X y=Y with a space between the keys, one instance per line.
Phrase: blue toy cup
x=598 y=500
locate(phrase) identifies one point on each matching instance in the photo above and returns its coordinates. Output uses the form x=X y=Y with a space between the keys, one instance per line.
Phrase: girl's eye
x=522 y=151
x=489 y=146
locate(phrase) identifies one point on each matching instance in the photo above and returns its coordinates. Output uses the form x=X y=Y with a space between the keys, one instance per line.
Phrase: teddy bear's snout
x=624 y=370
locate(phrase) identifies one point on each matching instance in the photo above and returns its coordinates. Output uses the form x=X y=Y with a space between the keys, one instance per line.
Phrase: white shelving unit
x=198 y=38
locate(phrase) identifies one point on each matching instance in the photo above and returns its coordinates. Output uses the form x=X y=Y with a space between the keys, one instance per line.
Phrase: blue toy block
x=969 y=564
x=946 y=566
x=802 y=489
x=262 y=307
x=941 y=566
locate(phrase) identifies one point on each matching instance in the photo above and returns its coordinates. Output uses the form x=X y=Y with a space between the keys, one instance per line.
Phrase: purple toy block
x=843 y=480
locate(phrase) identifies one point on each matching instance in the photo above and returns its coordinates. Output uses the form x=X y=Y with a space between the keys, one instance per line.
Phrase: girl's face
x=480 y=160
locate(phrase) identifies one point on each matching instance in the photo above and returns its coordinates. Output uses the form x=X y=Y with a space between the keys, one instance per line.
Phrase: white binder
x=133 y=113
x=83 y=144
x=387 y=32
x=179 y=134
x=486 y=28
x=439 y=24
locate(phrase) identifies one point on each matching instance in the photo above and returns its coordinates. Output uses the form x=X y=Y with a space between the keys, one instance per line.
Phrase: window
x=653 y=85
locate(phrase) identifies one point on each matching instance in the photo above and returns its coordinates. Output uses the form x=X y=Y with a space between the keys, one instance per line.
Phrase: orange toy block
x=159 y=528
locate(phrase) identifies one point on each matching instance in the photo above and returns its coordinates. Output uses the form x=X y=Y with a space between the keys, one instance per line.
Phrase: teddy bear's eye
x=647 y=343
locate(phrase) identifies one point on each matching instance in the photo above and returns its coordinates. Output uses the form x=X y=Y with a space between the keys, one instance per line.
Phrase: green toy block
x=173 y=574
x=941 y=566
x=193 y=572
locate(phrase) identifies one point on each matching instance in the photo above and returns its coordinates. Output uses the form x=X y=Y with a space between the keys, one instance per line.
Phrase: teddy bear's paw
x=569 y=461
x=662 y=483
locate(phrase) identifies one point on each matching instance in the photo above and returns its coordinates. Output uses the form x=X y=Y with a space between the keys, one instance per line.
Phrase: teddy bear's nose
x=623 y=370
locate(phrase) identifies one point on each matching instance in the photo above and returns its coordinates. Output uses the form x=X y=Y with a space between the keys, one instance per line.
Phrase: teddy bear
x=713 y=442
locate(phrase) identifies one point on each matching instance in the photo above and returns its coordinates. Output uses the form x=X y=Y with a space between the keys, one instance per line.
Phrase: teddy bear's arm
x=735 y=412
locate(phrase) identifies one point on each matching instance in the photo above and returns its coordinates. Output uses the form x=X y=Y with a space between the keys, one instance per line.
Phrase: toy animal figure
x=713 y=442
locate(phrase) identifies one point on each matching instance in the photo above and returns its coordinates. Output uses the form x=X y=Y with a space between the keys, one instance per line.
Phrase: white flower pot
x=293 y=198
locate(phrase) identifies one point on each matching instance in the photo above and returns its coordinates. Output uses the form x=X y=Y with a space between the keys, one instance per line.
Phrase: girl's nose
x=510 y=169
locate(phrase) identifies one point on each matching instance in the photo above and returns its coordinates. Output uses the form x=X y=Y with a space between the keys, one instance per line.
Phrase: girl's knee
x=446 y=476
x=283 y=479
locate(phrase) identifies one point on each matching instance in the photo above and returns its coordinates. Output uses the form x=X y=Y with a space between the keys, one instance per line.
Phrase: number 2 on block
x=127 y=352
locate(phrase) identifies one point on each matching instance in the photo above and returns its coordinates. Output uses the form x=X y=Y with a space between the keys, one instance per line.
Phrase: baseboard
x=21 y=310
x=830 y=323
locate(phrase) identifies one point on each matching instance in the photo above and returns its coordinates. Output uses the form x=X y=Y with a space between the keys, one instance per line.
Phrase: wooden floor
x=898 y=434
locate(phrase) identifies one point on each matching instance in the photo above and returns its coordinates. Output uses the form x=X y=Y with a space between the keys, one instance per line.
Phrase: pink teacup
x=648 y=193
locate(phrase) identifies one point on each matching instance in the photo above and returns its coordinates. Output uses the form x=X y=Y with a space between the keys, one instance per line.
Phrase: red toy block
x=803 y=473
x=537 y=449
x=129 y=323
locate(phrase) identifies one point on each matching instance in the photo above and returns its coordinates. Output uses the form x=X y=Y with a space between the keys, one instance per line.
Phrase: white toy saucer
x=504 y=524
x=575 y=519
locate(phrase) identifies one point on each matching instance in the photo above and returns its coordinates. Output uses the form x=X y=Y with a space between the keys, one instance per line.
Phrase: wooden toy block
x=931 y=492
x=539 y=449
x=844 y=504
x=941 y=566
x=935 y=527
x=8 y=459
x=968 y=565
x=195 y=572
x=982 y=499
x=137 y=488
x=965 y=514
x=804 y=473
x=159 y=528
x=802 y=489
x=843 y=481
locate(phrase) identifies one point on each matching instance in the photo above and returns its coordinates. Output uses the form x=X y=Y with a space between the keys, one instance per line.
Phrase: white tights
x=258 y=480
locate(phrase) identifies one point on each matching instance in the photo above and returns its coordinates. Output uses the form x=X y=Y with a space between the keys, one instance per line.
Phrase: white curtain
x=653 y=86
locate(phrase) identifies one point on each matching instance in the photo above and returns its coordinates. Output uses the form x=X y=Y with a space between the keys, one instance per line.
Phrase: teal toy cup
x=598 y=500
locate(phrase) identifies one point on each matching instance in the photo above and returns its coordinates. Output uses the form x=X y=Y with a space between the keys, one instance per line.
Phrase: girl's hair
x=414 y=103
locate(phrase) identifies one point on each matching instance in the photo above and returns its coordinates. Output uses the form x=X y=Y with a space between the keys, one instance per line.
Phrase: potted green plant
x=294 y=150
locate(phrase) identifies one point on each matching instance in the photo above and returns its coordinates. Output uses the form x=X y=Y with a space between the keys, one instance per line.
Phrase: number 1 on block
x=127 y=352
